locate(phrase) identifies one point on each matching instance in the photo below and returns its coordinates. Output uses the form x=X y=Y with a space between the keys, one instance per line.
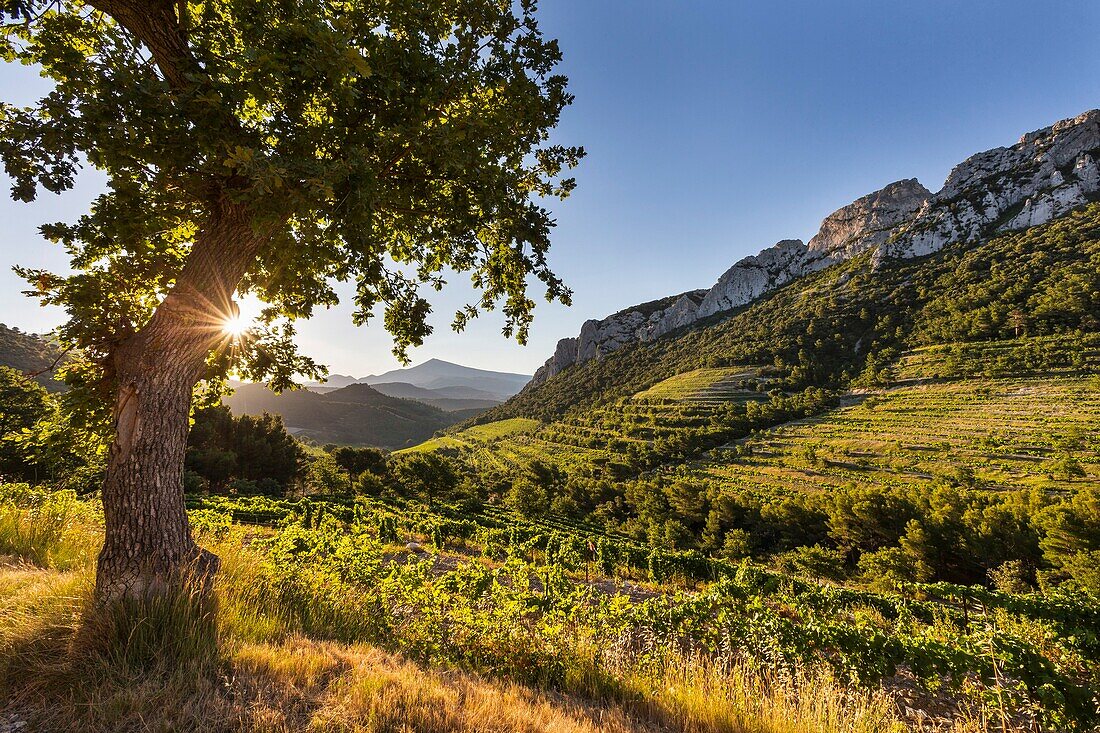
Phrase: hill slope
x=449 y=399
x=925 y=407
x=352 y=415
x=1044 y=176
x=32 y=354
x=827 y=328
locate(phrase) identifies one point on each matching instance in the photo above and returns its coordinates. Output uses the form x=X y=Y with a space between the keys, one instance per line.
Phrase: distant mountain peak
x=455 y=380
x=335 y=381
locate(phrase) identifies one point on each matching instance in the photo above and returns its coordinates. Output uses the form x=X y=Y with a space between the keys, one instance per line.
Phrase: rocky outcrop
x=861 y=225
x=1045 y=175
x=852 y=229
x=753 y=276
x=868 y=222
x=641 y=323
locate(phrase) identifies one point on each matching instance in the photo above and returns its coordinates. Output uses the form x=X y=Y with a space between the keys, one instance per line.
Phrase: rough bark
x=148 y=546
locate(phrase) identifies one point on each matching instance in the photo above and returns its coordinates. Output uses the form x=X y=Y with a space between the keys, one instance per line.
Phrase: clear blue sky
x=715 y=129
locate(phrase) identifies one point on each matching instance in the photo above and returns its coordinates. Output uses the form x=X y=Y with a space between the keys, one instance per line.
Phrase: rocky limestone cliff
x=868 y=221
x=1045 y=175
x=863 y=224
x=753 y=276
x=640 y=323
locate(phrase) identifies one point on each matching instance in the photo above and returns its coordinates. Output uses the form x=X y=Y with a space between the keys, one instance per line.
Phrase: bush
x=324 y=476
x=1011 y=577
x=815 y=562
x=369 y=484
x=888 y=568
x=1082 y=572
x=527 y=498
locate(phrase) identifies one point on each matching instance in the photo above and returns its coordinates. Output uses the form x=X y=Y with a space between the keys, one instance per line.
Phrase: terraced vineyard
x=1037 y=356
x=941 y=419
x=1036 y=431
x=478 y=435
x=701 y=411
x=716 y=384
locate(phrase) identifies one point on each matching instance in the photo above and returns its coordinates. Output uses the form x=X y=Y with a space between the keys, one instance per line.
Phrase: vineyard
x=479 y=434
x=492 y=591
x=999 y=419
x=665 y=423
x=997 y=433
x=708 y=385
x=941 y=417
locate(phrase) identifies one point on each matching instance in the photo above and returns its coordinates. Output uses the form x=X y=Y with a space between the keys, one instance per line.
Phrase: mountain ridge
x=438 y=374
x=448 y=399
x=1044 y=175
x=356 y=414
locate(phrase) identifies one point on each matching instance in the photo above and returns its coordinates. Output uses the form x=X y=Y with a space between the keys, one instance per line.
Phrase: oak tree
x=273 y=148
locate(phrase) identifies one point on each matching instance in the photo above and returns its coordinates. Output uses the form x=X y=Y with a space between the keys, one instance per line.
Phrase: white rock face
x=861 y=225
x=1043 y=176
x=868 y=221
x=602 y=337
x=850 y=230
x=753 y=276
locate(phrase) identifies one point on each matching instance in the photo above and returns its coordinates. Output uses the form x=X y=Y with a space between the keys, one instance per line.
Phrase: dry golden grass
x=54 y=529
x=264 y=677
x=301 y=684
x=698 y=696
x=361 y=689
x=297 y=684
x=305 y=685
x=38 y=607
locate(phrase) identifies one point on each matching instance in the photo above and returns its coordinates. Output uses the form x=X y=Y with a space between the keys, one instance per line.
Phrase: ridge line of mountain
x=435 y=374
x=1043 y=176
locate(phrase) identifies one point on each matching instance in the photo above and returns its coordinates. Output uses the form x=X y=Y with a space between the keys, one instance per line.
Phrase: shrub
x=888 y=568
x=816 y=562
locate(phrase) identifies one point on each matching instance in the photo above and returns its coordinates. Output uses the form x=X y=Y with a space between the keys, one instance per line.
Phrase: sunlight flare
x=234 y=326
x=240 y=316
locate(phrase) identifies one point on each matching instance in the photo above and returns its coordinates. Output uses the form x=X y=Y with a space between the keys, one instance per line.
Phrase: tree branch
x=156 y=25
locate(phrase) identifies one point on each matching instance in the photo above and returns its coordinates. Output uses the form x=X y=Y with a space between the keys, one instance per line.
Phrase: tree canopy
x=386 y=143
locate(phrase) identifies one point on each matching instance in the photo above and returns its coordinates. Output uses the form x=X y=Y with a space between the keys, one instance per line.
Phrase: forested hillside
x=354 y=415
x=847 y=321
x=31 y=354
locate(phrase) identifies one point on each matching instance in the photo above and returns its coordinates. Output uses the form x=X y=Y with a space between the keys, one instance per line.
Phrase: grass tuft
x=51 y=529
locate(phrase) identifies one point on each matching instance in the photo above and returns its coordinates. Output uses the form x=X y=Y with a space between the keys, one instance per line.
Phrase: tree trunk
x=148 y=548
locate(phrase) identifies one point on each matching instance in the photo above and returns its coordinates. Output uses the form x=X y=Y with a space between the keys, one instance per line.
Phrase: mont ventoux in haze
x=396 y=409
x=852 y=485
